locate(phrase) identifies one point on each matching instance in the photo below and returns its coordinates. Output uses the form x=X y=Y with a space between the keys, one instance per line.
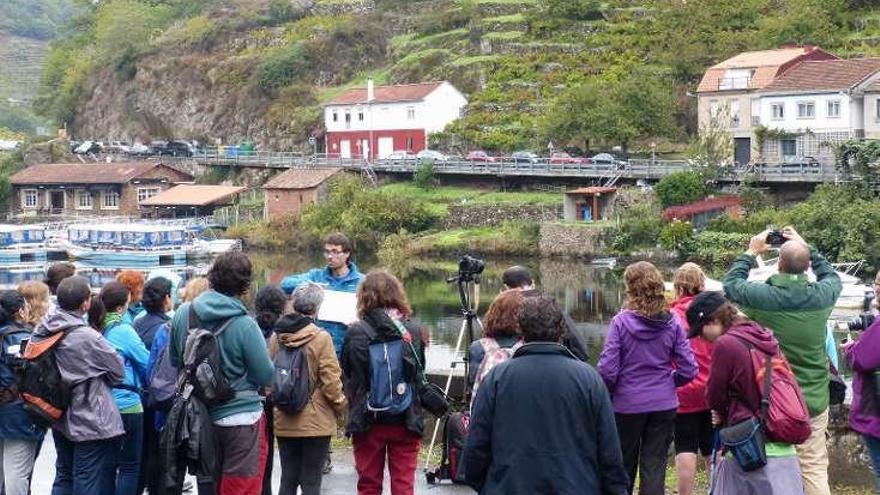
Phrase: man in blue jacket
x=542 y=421
x=340 y=274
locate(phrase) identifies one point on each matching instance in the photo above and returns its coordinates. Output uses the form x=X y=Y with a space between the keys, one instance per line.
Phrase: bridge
x=610 y=173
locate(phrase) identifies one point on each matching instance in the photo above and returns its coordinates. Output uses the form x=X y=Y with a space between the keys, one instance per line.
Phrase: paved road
x=342 y=481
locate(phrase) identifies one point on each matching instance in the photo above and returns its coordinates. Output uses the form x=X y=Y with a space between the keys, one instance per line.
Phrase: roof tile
x=83 y=173
x=387 y=94
x=298 y=178
x=193 y=195
x=826 y=75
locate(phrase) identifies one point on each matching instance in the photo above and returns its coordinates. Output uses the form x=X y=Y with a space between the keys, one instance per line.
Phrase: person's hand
x=846 y=344
x=758 y=244
x=789 y=233
x=716 y=418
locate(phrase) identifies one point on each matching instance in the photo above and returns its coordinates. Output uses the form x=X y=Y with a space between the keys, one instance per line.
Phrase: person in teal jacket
x=340 y=274
x=239 y=424
x=107 y=315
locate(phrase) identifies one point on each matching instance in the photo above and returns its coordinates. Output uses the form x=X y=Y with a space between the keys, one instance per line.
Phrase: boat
x=205 y=243
x=22 y=245
x=133 y=245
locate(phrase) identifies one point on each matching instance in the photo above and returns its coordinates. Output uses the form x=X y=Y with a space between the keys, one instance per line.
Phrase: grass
x=475 y=59
x=509 y=238
x=446 y=195
x=504 y=35
x=505 y=19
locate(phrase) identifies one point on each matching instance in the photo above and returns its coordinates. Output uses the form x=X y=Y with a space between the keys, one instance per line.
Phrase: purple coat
x=643 y=362
x=864 y=356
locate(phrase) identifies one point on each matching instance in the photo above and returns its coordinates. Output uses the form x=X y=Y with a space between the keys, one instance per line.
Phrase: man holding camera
x=797 y=310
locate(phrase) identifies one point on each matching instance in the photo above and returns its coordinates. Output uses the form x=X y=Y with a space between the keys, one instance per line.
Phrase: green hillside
x=581 y=72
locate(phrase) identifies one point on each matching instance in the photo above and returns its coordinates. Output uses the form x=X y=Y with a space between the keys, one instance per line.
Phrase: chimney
x=371 y=90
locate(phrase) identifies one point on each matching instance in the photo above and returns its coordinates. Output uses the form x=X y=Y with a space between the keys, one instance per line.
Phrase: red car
x=563 y=158
x=479 y=156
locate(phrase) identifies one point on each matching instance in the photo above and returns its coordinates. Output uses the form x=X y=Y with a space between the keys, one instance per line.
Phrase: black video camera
x=866 y=318
x=775 y=238
x=470 y=268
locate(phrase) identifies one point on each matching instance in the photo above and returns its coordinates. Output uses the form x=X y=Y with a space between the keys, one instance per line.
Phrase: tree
x=680 y=188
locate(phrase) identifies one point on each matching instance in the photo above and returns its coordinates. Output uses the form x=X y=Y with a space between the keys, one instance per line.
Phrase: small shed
x=189 y=200
x=588 y=204
x=701 y=212
x=289 y=192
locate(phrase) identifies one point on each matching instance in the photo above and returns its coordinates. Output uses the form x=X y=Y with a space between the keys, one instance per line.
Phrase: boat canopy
x=133 y=235
x=11 y=235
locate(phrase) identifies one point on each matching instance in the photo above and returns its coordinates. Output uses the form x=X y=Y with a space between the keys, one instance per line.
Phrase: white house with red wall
x=378 y=120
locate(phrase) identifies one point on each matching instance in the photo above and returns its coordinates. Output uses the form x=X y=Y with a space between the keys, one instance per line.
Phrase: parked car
x=432 y=155
x=139 y=149
x=400 y=155
x=563 y=158
x=525 y=157
x=119 y=147
x=88 y=147
x=607 y=160
x=172 y=148
x=479 y=156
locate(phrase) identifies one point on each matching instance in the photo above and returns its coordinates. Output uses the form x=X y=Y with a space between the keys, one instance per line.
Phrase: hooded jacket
x=327 y=402
x=732 y=390
x=644 y=360
x=864 y=356
x=378 y=326
x=324 y=276
x=89 y=365
x=245 y=358
x=692 y=397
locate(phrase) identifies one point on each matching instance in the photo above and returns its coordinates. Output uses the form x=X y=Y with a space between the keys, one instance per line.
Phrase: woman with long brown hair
x=385 y=414
x=646 y=356
x=501 y=337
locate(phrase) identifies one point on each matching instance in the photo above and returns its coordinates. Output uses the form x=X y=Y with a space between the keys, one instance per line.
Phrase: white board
x=339 y=307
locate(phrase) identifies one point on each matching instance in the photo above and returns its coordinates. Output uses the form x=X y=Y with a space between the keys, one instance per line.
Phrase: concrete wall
x=479 y=216
x=729 y=104
x=820 y=121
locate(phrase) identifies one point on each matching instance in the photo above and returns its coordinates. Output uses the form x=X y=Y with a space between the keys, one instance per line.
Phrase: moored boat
x=22 y=245
x=127 y=245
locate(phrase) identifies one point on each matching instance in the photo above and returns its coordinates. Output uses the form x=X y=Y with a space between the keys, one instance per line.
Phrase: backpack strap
x=489 y=345
x=768 y=375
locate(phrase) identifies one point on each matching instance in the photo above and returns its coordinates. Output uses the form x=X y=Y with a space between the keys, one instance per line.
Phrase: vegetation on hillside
x=581 y=72
x=38 y=20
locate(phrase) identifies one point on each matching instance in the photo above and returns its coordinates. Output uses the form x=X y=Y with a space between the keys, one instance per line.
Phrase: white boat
x=22 y=245
x=212 y=247
x=127 y=245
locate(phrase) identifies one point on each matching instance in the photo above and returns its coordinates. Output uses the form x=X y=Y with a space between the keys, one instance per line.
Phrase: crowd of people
x=160 y=380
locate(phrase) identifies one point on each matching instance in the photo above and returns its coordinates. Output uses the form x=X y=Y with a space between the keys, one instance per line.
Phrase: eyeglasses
x=333 y=252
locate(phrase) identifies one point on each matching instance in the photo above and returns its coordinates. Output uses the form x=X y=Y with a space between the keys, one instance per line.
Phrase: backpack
x=44 y=394
x=455 y=430
x=162 y=384
x=291 y=381
x=786 y=417
x=203 y=362
x=390 y=390
x=493 y=356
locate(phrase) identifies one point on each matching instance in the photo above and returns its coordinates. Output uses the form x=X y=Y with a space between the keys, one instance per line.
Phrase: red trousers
x=244 y=458
x=399 y=445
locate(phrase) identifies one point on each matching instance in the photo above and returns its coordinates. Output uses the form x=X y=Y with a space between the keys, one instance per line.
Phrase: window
x=83 y=200
x=335 y=116
x=409 y=144
x=29 y=198
x=410 y=113
x=714 y=108
x=778 y=111
x=347 y=120
x=734 y=113
x=361 y=115
x=111 y=200
x=145 y=193
x=806 y=110
x=789 y=148
x=834 y=109
x=877 y=111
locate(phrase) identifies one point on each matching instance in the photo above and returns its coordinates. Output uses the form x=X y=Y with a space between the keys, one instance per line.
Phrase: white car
x=139 y=149
x=436 y=156
x=400 y=155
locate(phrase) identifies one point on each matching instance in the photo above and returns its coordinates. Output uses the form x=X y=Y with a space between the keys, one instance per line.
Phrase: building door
x=365 y=148
x=742 y=150
x=386 y=146
x=345 y=148
x=56 y=200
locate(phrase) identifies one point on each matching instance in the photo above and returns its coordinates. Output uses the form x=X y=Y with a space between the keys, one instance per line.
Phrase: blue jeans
x=84 y=468
x=873 y=444
x=128 y=462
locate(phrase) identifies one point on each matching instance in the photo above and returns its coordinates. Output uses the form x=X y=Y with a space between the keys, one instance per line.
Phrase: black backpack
x=291 y=382
x=203 y=362
x=44 y=394
x=455 y=431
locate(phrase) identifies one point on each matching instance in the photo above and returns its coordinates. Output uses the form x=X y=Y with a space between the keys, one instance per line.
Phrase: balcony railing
x=734 y=83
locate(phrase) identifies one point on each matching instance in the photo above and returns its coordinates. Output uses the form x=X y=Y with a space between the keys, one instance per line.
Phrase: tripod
x=469 y=295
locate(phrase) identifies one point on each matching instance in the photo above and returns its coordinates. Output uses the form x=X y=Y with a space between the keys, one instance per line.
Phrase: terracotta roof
x=83 y=173
x=301 y=178
x=592 y=190
x=387 y=94
x=702 y=206
x=826 y=75
x=768 y=64
x=193 y=195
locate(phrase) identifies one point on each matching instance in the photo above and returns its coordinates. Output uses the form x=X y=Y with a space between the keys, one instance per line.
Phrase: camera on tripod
x=866 y=318
x=470 y=268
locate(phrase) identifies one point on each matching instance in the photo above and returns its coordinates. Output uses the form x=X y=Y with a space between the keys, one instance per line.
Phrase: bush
x=639 y=226
x=425 y=177
x=675 y=234
x=680 y=188
x=282 y=68
x=715 y=249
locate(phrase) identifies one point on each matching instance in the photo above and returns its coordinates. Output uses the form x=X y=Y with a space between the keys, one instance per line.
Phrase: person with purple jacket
x=864 y=357
x=645 y=358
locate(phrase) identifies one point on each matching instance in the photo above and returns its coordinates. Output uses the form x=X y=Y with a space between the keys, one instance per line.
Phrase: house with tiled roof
x=727 y=94
x=289 y=192
x=90 y=189
x=375 y=121
x=816 y=105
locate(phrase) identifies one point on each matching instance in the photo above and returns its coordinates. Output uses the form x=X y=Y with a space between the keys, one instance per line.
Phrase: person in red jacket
x=693 y=421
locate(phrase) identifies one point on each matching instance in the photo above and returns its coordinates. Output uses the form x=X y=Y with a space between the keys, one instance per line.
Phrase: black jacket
x=542 y=423
x=377 y=326
x=188 y=443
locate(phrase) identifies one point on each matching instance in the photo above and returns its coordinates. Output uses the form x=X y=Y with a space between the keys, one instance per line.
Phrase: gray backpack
x=203 y=362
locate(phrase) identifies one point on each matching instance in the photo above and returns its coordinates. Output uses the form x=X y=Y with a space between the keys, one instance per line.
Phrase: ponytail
x=97 y=313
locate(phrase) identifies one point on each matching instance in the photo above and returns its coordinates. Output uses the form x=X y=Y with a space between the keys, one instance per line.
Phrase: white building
x=376 y=121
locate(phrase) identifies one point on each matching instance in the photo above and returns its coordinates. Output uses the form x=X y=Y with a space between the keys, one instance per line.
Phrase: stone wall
x=570 y=239
x=463 y=216
x=849 y=461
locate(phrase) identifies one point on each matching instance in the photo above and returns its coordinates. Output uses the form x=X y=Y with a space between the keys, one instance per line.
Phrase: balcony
x=729 y=83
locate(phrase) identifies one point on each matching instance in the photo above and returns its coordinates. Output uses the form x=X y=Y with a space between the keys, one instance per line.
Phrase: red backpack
x=783 y=409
